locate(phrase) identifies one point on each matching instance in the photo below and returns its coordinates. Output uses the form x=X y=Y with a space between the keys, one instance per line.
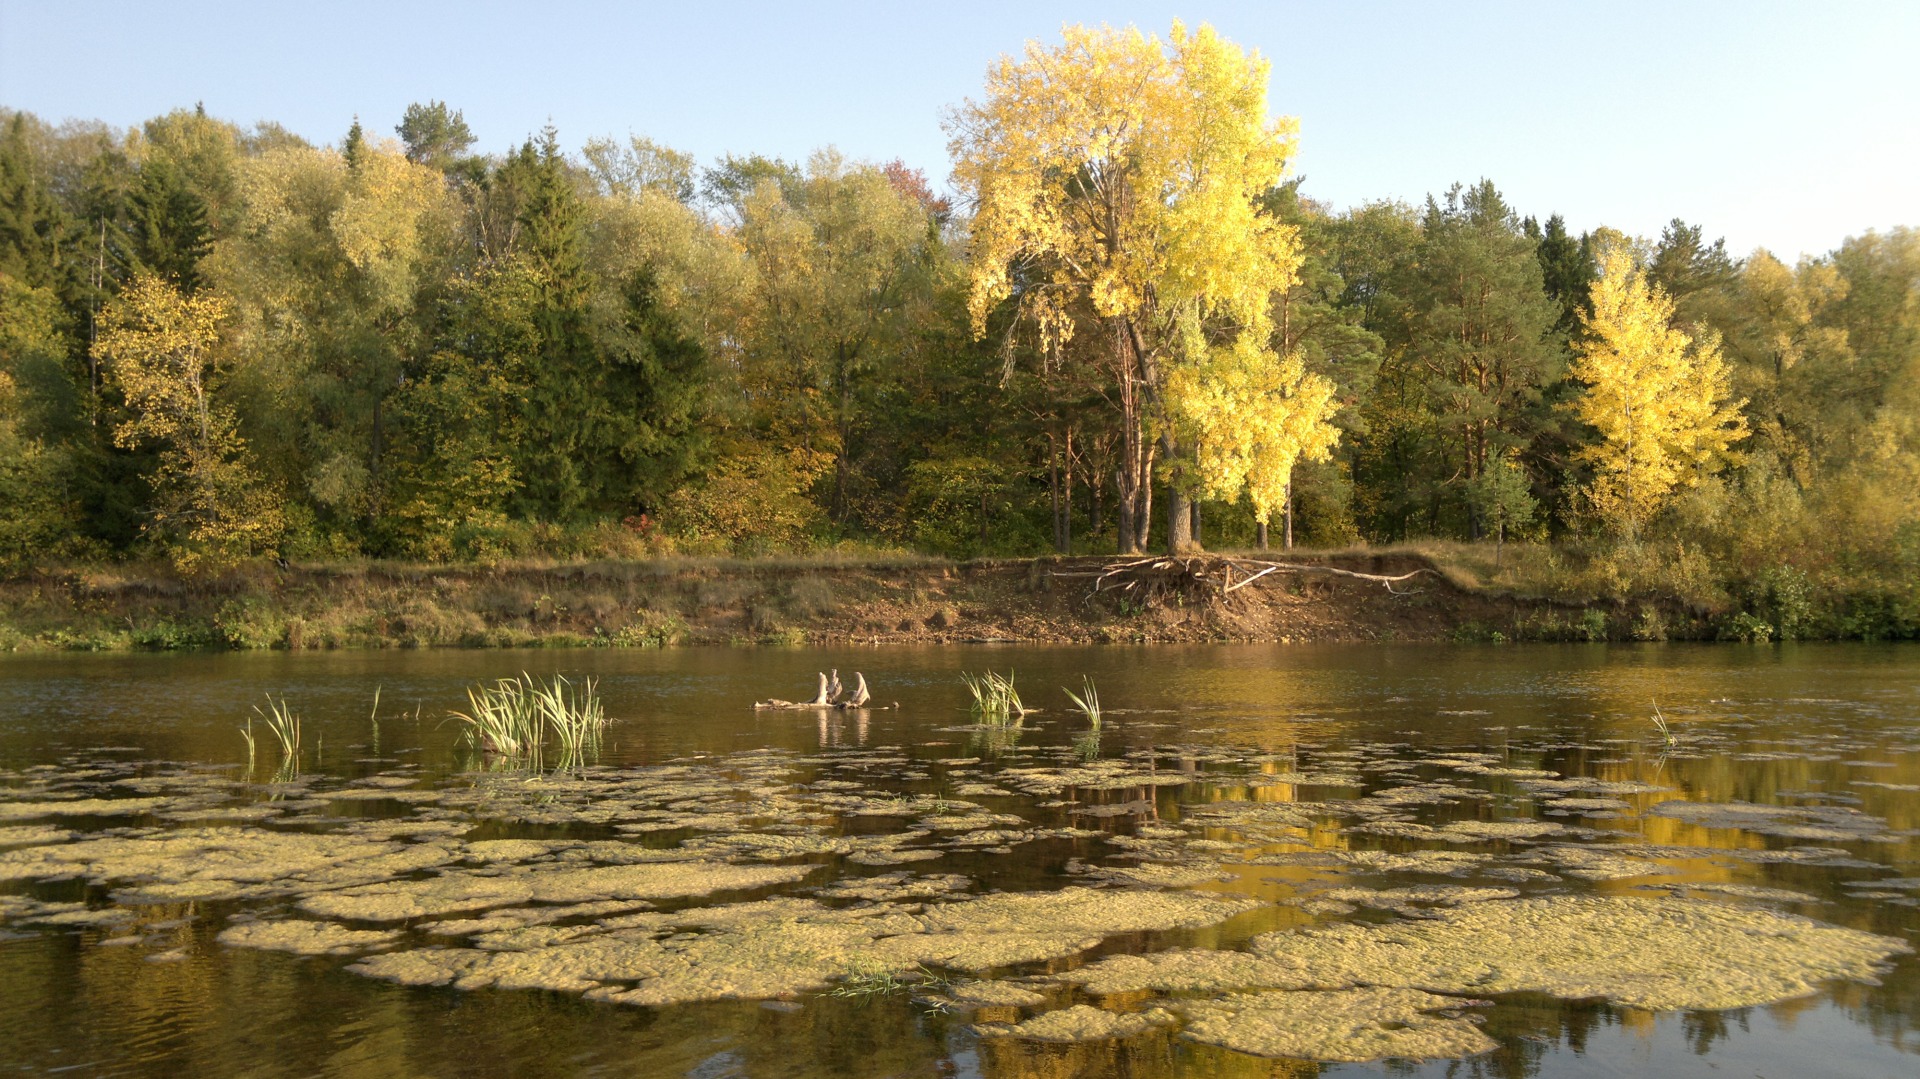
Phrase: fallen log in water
x=827 y=698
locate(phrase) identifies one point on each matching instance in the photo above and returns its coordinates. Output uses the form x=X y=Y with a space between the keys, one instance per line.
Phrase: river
x=1266 y=860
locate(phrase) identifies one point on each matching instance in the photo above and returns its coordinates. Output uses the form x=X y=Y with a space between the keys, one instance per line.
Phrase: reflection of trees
x=1704 y=1029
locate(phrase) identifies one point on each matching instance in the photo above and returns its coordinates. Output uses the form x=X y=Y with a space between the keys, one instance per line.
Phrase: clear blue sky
x=1784 y=125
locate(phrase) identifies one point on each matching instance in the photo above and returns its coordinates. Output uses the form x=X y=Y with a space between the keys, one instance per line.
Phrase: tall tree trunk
x=1179 y=521
x=1126 y=523
x=1197 y=541
x=1260 y=537
x=1053 y=493
x=1143 y=524
x=1289 y=539
x=1096 y=486
x=1066 y=498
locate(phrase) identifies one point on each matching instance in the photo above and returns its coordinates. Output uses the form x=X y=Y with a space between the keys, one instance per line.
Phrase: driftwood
x=1223 y=575
x=828 y=697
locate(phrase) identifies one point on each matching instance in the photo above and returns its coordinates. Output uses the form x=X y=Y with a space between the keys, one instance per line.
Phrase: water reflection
x=1825 y=737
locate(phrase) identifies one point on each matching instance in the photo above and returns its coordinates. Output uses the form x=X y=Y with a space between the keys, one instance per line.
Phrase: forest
x=1128 y=327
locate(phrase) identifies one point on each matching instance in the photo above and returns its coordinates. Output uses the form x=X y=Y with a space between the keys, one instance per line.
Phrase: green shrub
x=249 y=625
x=1746 y=627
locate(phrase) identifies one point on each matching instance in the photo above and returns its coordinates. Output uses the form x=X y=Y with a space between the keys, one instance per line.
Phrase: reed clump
x=513 y=718
x=995 y=701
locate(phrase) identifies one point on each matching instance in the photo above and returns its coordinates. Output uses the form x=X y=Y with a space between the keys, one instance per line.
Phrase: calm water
x=124 y=984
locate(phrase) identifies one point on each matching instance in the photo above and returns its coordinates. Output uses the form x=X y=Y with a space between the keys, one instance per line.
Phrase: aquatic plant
x=1660 y=724
x=505 y=718
x=247 y=733
x=512 y=717
x=282 y=722
x=995 y=700
x=867 y=982
x=1087 y=701
x=576 y=716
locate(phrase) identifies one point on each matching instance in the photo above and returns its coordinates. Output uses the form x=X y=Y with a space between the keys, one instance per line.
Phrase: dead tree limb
x=1218 y=574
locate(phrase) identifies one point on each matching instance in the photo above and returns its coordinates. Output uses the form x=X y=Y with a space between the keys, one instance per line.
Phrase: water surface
x=1473 y=774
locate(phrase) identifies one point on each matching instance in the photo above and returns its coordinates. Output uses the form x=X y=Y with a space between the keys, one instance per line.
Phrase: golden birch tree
x=1251 y=415
x=1658 y=398
x=1114 y=181
x=157 y=346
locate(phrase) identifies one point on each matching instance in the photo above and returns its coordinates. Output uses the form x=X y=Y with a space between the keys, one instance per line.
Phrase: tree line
x=1131 y=329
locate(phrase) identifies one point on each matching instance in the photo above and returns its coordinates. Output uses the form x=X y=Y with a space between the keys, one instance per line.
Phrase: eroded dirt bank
x=637 y=604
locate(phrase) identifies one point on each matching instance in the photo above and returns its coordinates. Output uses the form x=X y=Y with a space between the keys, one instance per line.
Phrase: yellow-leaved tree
x=157 y=346
x=1659 y=399
x=1252 y=416
x=1114 y=181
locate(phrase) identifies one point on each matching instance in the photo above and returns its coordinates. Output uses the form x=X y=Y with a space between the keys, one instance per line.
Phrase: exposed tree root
x=1217 y=574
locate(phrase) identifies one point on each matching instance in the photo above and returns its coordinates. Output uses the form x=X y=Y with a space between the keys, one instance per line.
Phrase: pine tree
x=168 y=225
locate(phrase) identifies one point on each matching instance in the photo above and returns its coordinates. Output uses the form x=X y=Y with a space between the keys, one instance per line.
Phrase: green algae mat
x=1262 y=862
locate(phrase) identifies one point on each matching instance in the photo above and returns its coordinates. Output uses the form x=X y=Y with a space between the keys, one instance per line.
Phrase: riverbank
x=635 y=604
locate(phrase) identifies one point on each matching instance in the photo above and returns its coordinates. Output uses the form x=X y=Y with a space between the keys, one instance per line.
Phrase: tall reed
x=282 y=722
x=512 y=718
x=1087 y=701
x=995 y=701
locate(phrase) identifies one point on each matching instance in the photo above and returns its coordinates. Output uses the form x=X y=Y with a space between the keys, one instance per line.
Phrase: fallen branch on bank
x=1223 y=575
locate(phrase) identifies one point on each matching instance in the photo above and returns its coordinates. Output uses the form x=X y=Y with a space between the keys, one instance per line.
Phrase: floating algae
x=306 y=938
x=779 y=946
x=1080 y=1023
x=1593 y=863
x=1345 y=1025
x=1650 y=953
x=893 y=886
x=1001 y=930
x=1154 y=875
x=1184 y=971
x=995 y=995
x=33 y=835
x=84 y=807
x=1655 y=954
x=1477 y=831
x=1823 y=823
x=222 y=863
x=450 y=893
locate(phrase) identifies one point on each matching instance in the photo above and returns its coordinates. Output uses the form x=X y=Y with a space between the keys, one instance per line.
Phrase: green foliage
x=1746 y=627
x=412 y=350
x=434 y=134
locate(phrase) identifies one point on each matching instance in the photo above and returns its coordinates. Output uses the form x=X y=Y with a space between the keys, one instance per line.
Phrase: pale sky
x=1789 y=126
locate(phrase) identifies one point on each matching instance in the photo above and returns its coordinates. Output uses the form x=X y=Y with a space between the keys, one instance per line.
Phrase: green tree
x=843 y=266
x=1501 y=497
x=434 y=134
x=1480 y=332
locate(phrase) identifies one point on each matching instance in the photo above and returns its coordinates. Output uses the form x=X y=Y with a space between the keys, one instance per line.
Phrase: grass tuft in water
x=576 y=716
x=504 y=719
x=282 y=722
x=866 y=984
x=512 y=717
x=1087 y=701
x=1660 y=724
x=995 y=701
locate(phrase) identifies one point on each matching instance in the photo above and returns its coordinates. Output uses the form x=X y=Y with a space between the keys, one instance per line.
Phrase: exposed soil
x=638 y=604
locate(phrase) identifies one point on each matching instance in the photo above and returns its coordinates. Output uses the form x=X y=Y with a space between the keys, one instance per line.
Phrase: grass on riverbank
x=1521 y=592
